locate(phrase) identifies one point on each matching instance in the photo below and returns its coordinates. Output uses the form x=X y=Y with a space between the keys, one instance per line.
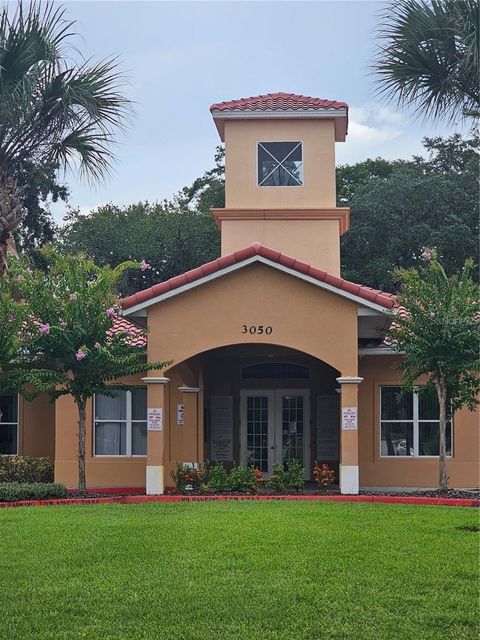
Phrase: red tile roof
x=381 y=298
x=278 y=102
x=137 y=337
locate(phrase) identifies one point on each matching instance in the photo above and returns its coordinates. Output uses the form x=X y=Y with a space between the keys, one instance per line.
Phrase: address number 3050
x=257 y=328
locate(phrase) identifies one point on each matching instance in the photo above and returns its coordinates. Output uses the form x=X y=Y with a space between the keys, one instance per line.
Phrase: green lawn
x=238 y=570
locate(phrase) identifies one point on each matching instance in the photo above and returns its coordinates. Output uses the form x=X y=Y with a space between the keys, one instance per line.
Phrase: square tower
x=280 y=176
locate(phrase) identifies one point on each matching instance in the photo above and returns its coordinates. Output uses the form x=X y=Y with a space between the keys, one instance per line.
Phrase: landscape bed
x=136 y=498
x=131 y=495
x=244 y=570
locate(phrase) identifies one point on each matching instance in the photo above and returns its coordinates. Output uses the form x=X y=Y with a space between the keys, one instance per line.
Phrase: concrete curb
x=141 y=499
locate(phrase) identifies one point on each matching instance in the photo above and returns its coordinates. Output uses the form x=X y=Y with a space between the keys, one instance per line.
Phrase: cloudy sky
x=183 y=56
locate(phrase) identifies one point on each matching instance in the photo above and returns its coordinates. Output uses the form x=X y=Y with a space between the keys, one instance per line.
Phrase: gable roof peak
x=257 y=251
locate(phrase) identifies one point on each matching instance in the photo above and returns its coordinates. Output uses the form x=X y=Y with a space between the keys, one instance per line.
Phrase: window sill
x=412 y=457
x=118 y=457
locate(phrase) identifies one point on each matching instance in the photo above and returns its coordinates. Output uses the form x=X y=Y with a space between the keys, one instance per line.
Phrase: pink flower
x=110 y=313
x=144 y=265
x=29 y=270
x=80 y=355
x=20 y=278
x=73 y=297
x=97 y=345
x=426 y=255
x=44 y=329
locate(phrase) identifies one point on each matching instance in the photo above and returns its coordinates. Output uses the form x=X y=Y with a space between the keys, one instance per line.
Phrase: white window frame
x=17 y=424
x=128 y=430
x=415 y=421
x=262 y=142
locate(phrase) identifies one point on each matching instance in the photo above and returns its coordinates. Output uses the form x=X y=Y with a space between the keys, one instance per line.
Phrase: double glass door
x=275 y=427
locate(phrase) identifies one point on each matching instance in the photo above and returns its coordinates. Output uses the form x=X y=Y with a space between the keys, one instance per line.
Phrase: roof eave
x=139 y=308
x=339 y=116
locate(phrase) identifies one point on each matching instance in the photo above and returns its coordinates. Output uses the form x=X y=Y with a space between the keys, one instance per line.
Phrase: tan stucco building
x=273 y=354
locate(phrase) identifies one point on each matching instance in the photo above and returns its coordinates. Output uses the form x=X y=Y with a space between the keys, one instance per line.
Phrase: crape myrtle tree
x=439 y=336
x=66 y=342
x=57 y=110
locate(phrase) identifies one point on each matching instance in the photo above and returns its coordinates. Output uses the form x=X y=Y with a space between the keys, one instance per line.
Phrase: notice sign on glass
x=155 y=419
x=349 y=419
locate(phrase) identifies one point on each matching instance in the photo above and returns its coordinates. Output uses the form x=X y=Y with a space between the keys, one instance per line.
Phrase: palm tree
x=428 y=57
x=53 y=110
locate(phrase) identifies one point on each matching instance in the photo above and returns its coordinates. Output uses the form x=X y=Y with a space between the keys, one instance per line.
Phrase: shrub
x=25 y=469
x=278 y=479
x=323 y=475
x=16 y=491
x=217 y=477
x=244 y=479
x=186 y=475
x=295 y=475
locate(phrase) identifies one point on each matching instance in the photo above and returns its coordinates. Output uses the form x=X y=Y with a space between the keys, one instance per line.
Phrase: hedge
x=25 y=469
x=16 y=491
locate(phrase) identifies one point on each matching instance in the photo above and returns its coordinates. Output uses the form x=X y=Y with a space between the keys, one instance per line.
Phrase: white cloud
x=387 y=115
x=374 y=123
x=374 y=130
x=363 y=134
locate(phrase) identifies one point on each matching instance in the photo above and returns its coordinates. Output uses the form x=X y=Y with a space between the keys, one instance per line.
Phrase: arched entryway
x=260 y=404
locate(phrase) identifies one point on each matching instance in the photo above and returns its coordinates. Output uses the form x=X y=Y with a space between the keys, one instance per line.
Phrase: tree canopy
x=173 y=236
x=39 y=185
x=170 y=237
x=397 y=207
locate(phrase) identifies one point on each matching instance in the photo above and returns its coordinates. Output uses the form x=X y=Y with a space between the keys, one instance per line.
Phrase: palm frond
x=85 y=149
x=53 y=108
x=428 y=56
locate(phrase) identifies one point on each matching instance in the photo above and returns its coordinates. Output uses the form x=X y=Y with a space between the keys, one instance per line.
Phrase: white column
x=157 y=398
x=349 y=472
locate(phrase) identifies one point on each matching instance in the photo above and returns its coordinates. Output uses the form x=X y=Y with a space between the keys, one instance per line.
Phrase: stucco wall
x=301 y=315
x=315 y=242
x=463 y=467
x=37 y=426
x=104 y=471
x=241 y=189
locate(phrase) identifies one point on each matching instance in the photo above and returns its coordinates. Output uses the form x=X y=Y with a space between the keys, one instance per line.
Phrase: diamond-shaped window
x=280 y=164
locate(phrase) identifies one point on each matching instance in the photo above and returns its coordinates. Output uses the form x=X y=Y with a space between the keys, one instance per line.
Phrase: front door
x=275 y=428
